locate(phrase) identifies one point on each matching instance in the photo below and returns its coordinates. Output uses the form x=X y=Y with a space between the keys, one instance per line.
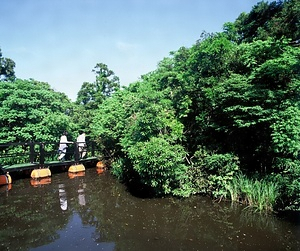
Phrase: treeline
x=220 y=118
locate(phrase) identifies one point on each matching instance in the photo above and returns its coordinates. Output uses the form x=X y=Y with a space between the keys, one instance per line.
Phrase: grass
x=259 y=194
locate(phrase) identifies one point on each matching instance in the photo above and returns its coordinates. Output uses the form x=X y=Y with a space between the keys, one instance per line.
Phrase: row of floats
x=42 y=176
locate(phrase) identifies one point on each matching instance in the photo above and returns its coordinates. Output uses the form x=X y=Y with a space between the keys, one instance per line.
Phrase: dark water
x=95 y=212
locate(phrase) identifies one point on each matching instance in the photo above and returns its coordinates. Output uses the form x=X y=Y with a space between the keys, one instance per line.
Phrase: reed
x=259 y=194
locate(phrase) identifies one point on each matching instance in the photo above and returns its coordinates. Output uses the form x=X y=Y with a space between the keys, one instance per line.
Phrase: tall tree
x=7 y=72
x=93 y=94
x=142 y=121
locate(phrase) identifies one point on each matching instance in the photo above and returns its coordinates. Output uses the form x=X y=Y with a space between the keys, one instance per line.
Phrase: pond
x=96 y=212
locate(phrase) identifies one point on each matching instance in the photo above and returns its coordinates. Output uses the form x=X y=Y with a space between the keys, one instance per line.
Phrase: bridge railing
x=41 y=152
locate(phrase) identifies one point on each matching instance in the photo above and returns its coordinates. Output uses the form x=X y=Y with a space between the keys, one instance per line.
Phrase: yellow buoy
x=76 y=168
x=100 y=164
x=100 y=167
x=40 y=173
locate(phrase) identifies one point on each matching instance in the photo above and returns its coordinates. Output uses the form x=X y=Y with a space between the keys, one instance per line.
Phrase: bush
x=214 y=172
x=289 y=182
x=159 y=164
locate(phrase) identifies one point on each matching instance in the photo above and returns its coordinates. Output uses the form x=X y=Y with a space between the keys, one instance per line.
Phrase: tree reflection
x=180 y=224
x=33 y=217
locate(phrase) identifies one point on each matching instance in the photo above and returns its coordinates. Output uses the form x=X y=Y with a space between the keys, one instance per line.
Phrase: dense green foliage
x=106 y=83
x=91 y=95
x=228 y=106
x=276 y=19
x=32 y=111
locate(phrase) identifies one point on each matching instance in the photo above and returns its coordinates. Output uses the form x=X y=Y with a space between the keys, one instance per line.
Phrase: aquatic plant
x=259 y=194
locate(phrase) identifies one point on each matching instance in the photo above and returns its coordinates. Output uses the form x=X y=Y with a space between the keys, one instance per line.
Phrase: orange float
x=5 y=179
x=40 y=182
x=100 y=167
x=74 y=175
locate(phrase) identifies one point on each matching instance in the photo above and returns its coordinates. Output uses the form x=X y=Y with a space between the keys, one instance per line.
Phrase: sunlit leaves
x=286 y=132
x=92 y=94
x=159 y=164
x=144 y=125
x=211 y=56
x=32 y=111
x=276 y=19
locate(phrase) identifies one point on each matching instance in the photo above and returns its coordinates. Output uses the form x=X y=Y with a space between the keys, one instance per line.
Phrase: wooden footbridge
x=40 y=159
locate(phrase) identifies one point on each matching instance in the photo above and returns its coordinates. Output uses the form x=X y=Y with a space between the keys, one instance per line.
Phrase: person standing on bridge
x=62 y=150
x=81 y=144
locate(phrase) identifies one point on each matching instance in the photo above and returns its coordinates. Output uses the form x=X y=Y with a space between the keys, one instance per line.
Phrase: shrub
x=289 y=182
x=214 y=172
x=159 y=164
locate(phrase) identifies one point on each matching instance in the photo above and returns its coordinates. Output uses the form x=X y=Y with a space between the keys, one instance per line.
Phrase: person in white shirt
x=81 y=144
x=62 y=150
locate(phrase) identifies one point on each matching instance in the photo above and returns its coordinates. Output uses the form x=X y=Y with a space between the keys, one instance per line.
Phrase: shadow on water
x=95 y=212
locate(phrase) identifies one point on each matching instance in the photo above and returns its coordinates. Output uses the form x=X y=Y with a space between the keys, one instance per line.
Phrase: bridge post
x=76 y=153
x=31 y=156
x=93 y=148
x=42 y=155
x=41 y=172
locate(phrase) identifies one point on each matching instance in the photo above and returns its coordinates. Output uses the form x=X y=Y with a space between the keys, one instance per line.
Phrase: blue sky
x=61 y=41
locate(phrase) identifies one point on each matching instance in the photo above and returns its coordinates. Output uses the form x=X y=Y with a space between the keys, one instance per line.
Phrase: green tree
x=93 y=94
x=249 y=105
x=276 y=19
x=7 y=72
x=110 y=121
x=142 y=122
x=32 y=111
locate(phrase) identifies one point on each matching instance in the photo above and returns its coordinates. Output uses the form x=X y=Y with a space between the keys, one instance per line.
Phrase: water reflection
x=74 y=237
x=94 y=212
x=81 y=196
x=40 y=181
x=5 y=188
x=74 y=175
x=63 y=201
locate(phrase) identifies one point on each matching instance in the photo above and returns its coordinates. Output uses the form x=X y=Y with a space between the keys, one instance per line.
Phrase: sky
x=61 y=41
